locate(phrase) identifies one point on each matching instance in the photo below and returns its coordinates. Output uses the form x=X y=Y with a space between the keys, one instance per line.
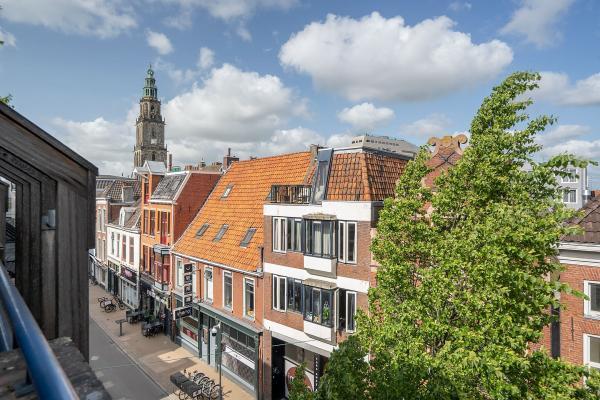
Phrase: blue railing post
x=48 y=377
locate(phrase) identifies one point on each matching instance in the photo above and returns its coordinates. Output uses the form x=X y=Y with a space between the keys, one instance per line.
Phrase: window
x=152 y=222
x=208 y=283
x=179 y=278
x=248 y=237
x=131 y=250
x=249 y=298
x=592 y=291
x=570 y=196
x=221 y=232
x=320 y=181
x=118 y=245
x=145 y=222
x=227 y=290
x=570 y=179
x=227 y=191
x=112 y=243
x=279 y=234
x=294 y=295
x=591 y=351
x=347 y=241
x=202 y=229
x=350 y=311
x=317 y=305
x=279 y=287
x=319 y=238
x=194 y=283
x=294 y=234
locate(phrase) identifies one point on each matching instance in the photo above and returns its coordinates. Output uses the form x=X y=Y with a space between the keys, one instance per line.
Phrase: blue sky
x=271 y=76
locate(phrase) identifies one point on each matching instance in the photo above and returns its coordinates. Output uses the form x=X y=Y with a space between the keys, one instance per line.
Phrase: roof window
x=221 y=232
x=202 y=229
x=247 y=237
x=227 y=191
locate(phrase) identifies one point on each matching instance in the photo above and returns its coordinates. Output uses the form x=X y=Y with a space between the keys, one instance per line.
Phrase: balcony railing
x=48 y=377
x=290 y=194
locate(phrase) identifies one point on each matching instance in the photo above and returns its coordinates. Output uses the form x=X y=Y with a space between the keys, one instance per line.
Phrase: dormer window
x=202 y=229
x=248 y=237
x=227 y=191
x=221 y=232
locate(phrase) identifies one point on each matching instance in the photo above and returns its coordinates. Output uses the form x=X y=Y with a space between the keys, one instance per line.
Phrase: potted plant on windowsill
x=325 y=313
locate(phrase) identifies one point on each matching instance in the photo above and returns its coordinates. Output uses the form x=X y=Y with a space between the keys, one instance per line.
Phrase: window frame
x=309 y=238
x=276 y=293
x=131 y=250
x=294 y=283
x=347 y=311
x=276 y=236
x=248 y=237
x=221 y=232
x=230 y=274
x=342 y=241
x=212 y=281
x=311 y=302
x=227 y=191
x=152 y=223
x=586 y=351
x=587 y=303
x=569 y=190
x=574 y=179
x=244 y=312
x=202 y=230
x=293 y=239
x=179 y=272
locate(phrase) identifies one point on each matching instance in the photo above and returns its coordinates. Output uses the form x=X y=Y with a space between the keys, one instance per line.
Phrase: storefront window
x=317 y=305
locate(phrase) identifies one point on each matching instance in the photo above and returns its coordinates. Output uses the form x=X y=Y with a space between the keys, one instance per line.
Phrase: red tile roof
x=241 y=209
x=589 y=222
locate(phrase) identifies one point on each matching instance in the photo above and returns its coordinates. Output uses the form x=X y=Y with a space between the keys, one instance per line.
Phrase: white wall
x=110 y=230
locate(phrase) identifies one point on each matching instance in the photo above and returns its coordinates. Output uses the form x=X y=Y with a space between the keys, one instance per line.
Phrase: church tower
x=150 y=126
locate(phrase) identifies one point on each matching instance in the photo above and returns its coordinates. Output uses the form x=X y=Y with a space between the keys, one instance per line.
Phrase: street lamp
x=214 y=331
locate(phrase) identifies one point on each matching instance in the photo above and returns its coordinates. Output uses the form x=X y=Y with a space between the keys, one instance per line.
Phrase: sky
x=264 y=77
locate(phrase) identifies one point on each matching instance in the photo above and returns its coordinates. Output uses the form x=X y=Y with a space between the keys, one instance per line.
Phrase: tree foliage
x=298 y=390
x=463 y=289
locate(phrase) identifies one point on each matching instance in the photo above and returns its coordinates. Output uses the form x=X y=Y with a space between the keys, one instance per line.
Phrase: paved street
x=121 y=377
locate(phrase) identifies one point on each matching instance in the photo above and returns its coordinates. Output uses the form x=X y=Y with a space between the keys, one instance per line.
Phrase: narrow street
x=120 y=375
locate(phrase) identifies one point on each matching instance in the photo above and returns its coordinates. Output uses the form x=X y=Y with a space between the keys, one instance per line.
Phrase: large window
x=279 y=287
x=350 y=311
x=592 y=291
x=123 y=247
x=570 y=196
x=208 y=283
x=249 y=298
x=179 y=278
x=320 y=181
x=570 y=179
x=294 y=234
x=279 y=234
x=130 y=250
x=591 y=351
x=112 y=243
x=152 y=222
x=318 y=305
x=294 y=295
x=320 y=238
x=347 y=241
x=227 y=290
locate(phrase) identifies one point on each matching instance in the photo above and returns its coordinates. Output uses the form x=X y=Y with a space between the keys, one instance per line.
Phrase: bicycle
x=215 y=393
x=120 y=303
x=110 y=307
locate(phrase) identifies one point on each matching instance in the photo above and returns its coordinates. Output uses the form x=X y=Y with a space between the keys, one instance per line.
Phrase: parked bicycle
x=119 y=302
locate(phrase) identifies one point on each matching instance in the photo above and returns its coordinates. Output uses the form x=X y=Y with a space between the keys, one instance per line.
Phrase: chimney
x=170 y=166
x=229 y=159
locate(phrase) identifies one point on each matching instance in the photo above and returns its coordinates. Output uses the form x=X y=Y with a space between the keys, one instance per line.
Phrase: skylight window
x=248 y=237
x=202 y=229
x=221 y=232
x=227 y=191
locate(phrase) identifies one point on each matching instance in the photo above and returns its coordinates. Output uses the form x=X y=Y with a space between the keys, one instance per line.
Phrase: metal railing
x=290 y=194
x=49 y=379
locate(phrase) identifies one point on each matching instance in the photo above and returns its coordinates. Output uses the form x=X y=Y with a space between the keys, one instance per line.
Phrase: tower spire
x=150 y=89
x=150 y=126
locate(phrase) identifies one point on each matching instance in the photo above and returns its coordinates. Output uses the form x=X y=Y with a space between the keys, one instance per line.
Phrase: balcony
x=290 y=194
x=321 y=265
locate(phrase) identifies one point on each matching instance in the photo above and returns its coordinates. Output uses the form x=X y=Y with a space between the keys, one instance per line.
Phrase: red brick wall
x=191 y=199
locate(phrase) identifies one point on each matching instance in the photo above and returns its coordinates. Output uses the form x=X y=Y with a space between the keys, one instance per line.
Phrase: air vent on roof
x=248 y=237
x=201 y=231
x=221 y=232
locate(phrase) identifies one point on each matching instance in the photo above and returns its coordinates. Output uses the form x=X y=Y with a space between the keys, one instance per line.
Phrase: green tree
x=463 y=288
x=298 y=390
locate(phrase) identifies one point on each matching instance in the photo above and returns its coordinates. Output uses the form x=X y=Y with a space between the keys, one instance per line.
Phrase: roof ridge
x=273 y=156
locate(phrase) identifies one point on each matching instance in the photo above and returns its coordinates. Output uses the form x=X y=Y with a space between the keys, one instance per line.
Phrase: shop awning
x=320 y=284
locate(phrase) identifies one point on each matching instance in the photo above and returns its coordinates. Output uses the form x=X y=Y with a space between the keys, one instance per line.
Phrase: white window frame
x=279 y=241
x=212 y=280
x=178 y=272
x=118 y=255
x=194 y=283
x=229 y=273
x=348 y=294
x=254 y=288
x=575 y=179
x=112 y=245
x=586 y=351
x=343 y=243
x=569 y=190
x=276 y=293
x=587 y=307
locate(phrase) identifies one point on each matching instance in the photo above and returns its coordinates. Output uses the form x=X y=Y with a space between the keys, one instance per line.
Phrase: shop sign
x=187 y=278
x=187 y=289
x=190 y=333
x=183 y=312
x=187 y=268
x=151 y=293
x=128 y=274
x=187 y=300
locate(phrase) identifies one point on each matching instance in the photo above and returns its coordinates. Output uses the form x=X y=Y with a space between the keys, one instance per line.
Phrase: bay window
x=294 y=295
x=320 y=238
x=279 y=239
x=347 y=236
x=227 y=290
x=249 y=298
x=279 y=289
x=317 y=305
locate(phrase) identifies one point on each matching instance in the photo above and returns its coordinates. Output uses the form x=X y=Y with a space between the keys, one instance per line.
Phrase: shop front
x=129 y=287
x=240 y=340
x=187 y=328
x=112 y=283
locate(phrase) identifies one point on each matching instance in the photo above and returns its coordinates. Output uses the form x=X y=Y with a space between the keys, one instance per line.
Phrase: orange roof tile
x=363 y=176
x=242 y=209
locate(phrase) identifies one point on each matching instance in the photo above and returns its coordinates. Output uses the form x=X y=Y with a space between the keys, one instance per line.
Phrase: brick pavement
x=157 y=356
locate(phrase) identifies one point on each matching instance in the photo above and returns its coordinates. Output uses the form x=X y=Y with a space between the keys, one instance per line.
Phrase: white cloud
x=459 y=6
x=159 y=41
x=557 y=87
x=366 y=116
x=562 y=133
x=379 y=58
x=234 y=9
x=8 y=38
x=101 y=18
x=232 y=105
x=206 y=58
x=536 y=20
x=432 y=125
x=179 y=76
x=243 y=32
